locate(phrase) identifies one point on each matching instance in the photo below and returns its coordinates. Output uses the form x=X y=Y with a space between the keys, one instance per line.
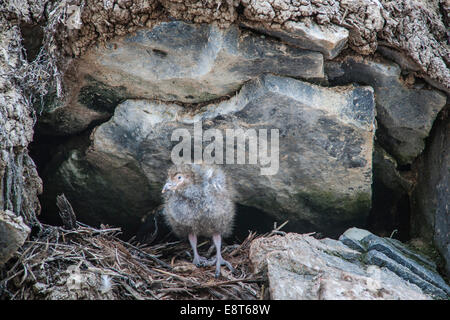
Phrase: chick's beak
x=167 y=187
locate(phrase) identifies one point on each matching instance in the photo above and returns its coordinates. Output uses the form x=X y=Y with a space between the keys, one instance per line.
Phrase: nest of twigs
x=88 y=263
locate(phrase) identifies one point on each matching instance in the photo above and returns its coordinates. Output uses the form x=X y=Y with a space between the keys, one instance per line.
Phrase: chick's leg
x=219 y=260
x=198 y=260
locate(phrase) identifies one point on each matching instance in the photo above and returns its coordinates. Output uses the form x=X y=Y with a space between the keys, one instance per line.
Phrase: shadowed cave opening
x=32 y=38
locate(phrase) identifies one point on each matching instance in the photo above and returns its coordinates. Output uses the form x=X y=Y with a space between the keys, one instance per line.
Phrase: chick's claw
x=202 y=262
x=223 y=262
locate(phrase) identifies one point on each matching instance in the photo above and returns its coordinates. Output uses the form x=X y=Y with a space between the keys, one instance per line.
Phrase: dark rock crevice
x=390 y=212
x=430 y=199
x=32 y=39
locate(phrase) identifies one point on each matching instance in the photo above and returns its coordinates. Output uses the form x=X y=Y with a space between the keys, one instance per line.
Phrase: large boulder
x=405 y=112
x=173 y=61
x=300 y=267
x=322 y=181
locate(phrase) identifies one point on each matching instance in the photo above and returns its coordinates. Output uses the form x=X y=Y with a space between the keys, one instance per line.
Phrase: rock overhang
x=173 y=62
x=190 y=63
x=176 y=74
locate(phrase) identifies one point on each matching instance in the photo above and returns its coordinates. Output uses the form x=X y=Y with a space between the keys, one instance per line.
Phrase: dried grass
x=115 y=269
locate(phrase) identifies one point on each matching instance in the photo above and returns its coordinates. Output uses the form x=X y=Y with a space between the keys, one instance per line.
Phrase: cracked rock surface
x=175 y=61
x=300 y=267
x=397 y=257
x=405 y=113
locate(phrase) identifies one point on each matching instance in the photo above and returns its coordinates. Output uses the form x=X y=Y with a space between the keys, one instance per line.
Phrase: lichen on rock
x=19 y=181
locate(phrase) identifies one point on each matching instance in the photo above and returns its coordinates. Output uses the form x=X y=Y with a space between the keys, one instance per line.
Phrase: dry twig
x=49 y=266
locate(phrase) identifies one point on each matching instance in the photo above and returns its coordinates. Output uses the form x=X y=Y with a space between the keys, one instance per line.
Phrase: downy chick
x=198 y=202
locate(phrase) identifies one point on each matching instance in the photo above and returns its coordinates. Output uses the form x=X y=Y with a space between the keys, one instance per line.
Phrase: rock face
x=301 y=267
x=19 y=181
x=405 y=114
x=323 y=181
x=431 y=196
x=13 y=233
x=175 y=61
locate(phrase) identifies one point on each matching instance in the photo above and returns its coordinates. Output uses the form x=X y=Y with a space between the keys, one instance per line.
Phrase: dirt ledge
x=414 y=27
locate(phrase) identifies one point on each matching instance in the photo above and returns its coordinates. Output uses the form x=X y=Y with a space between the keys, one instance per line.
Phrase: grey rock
x=397 y=257
x=94 y=103
x=386 y=168
x=325 y=140
x=437 y=84
x=13 y=233
x=353 y=238
x=398 y=57
x=306 y=34
x=175 y=61
x=404 y=115
x=356 y=234
x=339 y=248
x=378 y=258
x=300 y=267
x=420 y=258
x=419 y=267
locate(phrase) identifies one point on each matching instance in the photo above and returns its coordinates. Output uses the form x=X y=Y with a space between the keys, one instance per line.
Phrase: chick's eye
x=179 y=177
